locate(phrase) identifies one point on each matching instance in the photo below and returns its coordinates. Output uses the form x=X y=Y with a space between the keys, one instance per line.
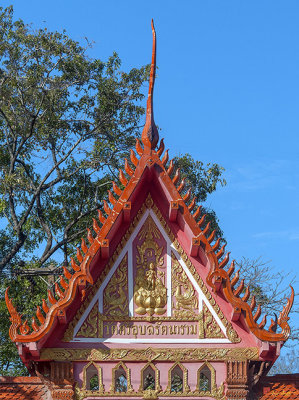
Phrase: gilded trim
x=148 y=354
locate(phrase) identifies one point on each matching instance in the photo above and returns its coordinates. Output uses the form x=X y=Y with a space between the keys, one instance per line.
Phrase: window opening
x=121 y=383
x=92 y=378
x=149 y=382
x=176 y=380
x=149 y=378
x=205 y=380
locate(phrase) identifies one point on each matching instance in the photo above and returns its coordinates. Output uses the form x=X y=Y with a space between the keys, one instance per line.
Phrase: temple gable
x=151 y=295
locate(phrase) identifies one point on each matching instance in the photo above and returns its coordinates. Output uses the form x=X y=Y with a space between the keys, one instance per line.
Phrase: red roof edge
x=4 y=380
x=290 y=379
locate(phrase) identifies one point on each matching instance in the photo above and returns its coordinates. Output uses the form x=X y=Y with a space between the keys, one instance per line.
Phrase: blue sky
x=227 y=91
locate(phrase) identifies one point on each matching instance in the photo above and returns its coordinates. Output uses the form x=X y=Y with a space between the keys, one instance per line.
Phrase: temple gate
x=151 y=307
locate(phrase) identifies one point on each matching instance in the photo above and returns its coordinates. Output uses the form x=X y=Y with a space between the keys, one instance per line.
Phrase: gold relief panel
x=184 y=296
x=90 y=327
x=115 y=297
x=210 y=326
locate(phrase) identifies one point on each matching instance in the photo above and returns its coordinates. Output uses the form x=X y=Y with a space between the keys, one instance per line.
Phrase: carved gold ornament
x=153 y=393
x=210 y=326
x=100 y=376
x=185 y=386
x=128 y=377
x=185 y=302
x=89 y=328
x=148 y=354
x=116 y=292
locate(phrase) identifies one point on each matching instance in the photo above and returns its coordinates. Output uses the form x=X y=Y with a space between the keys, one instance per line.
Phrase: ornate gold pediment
x=152 y=292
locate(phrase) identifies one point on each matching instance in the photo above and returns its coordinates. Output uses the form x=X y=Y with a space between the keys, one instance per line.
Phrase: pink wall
x=135 y=368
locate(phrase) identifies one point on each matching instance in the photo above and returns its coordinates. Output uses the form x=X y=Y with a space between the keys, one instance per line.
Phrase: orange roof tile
x=23 y=388
x=281 y=391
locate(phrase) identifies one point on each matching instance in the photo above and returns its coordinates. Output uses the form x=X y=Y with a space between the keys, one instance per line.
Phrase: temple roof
x=147 y=163
x=23 y=388
x=280 y=387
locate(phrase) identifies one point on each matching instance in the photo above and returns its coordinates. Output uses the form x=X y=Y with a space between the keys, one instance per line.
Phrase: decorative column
x=61 y=380
x=237 y=380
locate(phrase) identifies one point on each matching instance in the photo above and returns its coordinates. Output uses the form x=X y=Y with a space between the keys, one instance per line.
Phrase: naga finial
x=150 y=135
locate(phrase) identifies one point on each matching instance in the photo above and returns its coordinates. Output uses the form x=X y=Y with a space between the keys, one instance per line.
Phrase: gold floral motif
x=150 y=293
x=232 y=334
x=116 y=292
x=185 y=302
x=210 y=326
x=148 y=354
x=89 y=327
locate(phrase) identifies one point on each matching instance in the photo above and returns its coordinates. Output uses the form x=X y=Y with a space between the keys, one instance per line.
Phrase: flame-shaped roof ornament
x=150 y=135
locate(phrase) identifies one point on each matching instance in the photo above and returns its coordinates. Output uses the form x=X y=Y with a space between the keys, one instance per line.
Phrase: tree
x=288 y=364
x=271 y=290
x=66 y=124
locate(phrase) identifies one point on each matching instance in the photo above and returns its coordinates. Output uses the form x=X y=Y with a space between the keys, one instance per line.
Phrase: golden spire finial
x=150 y=135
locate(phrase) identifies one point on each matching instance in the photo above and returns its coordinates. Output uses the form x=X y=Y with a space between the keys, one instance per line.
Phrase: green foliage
x=94 y=383
x=203 y=179
x=66 y=122
x=149 y=382
x=204 y=382
x=176 y=383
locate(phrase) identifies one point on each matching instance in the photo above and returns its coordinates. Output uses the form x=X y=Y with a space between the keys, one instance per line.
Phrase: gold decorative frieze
x=148 y=354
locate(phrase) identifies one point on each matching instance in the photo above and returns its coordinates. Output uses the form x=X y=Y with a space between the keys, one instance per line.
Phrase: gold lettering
x=150 y=330
x=157 y=328
x=182 y=329
x=193 y=330
x=134 y=331
x=164 y=330
x=142 y=329
x=173 y=329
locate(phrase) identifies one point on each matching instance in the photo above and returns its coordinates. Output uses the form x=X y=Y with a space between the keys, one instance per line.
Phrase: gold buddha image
x=150 y=294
